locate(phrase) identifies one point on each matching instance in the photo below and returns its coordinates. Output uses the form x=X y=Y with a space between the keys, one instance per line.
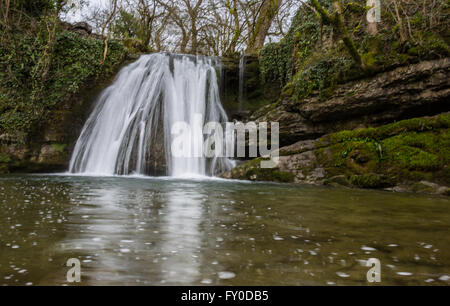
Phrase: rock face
x=50 y=149
x=406 y=92
x=255 y=95
x=410 y=155
x=82 y=28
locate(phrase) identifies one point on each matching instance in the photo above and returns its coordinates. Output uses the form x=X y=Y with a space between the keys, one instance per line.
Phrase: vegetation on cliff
x=315 y=56
x=35 y=78
x=44 y=70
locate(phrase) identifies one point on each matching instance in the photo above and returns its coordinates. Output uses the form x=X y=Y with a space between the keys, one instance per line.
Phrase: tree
x=267 y=12
x=336 y=20
x=105 y=25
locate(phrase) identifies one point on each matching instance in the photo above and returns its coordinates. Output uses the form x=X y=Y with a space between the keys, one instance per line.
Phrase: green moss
x=370 y=180
x=252 y=170
x=59 y=147
x=416 y=149
x=5 y=160
x=269 y=175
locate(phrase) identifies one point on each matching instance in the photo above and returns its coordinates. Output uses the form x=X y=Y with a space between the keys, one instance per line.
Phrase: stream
x=167 y=231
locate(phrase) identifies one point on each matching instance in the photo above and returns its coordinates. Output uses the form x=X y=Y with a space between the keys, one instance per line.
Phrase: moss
x=370 y=181
x=269 y=175
x=5 y=161
x=59 y=147
x=411 y=125
x=252 y=170
x=422 y=188
x=416 y=149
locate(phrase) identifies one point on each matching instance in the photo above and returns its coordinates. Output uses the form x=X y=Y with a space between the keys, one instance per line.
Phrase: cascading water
x=241 y=81
x=129 y=131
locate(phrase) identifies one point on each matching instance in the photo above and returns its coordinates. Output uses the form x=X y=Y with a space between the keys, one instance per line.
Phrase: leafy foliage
x=25 y=99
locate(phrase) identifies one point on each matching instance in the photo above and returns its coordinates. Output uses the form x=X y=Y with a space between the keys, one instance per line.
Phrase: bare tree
x=105 y=25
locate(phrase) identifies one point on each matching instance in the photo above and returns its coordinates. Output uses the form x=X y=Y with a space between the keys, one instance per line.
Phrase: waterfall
x=241 y=81
x=129 y=131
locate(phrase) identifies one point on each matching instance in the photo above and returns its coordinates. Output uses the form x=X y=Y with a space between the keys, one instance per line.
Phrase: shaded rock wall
x=255 y=93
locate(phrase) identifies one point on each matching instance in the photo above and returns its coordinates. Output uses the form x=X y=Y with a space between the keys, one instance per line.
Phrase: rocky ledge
x=421 y=89
x=409 y=155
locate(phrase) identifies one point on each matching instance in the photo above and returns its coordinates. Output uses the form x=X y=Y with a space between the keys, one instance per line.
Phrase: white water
x=131 y=123
x=241 y=81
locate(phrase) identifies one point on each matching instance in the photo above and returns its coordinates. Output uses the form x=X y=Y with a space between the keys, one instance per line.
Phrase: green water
x=143 y=231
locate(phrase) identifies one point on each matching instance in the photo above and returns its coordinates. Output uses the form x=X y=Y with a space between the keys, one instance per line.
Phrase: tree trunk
x=337 y=22
x=268 y=11
x=105 y=25
x=237 y=29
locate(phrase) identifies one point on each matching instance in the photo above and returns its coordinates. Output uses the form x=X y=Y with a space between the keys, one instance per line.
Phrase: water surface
x=148 y=231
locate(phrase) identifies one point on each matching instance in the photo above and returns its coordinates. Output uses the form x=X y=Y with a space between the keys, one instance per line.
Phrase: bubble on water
x=342 y=274
x=125 y=251
x=15 y=246
x=127 y=241
x=29 y=284
x=331 y=283
x=226 y=275
x=428 y=246
x=430 y=280
x=404 y=273
x=206 y=281
x=278 y=238
x=444 y=278
x=22 y=271
x=392 y=245
x=366 y=248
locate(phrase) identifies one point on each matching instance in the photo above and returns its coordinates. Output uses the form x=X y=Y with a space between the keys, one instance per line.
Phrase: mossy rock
x=371 y=181
x=269 y=175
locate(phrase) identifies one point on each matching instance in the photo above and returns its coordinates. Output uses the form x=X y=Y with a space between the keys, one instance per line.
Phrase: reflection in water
x=138 y=232
x=181 y=236
x=166 y=231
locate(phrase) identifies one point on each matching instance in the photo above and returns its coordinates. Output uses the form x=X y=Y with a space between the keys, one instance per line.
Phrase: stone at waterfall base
x=411 y=155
